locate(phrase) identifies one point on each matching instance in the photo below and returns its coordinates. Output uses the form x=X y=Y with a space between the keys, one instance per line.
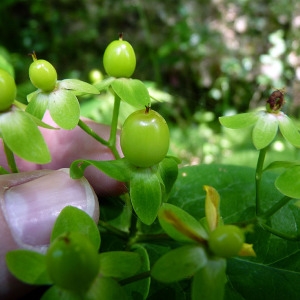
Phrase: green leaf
x=180 y=263
x=264 y=130
x=78 y=86
x=281 y=164
x=140 y=289
x=288 y=183
x=180 y=225
x=106 y=288
x=145 y=192
x=119 y=264
x=118 y=169
x=28 y=266
x=104 y=84
x=168 y=170
x=38 y=104
x=274 y=272
x=74 y=219
x=56 y=293
x=239 y=120
x=132 y=91
x=209 y=282
x=23 y=137
x=289 y=130
x=64 y=108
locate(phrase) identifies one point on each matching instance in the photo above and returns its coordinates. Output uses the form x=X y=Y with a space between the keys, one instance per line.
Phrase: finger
x=30 y=203
x=66 y=146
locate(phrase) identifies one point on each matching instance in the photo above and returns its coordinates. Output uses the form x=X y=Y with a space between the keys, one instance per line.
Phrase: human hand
x=31 y=200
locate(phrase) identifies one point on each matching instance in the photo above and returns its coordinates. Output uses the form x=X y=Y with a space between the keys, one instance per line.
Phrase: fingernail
x=31 y=208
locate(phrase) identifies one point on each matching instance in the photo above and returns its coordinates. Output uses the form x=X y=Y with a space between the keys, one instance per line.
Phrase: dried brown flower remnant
x=275 y=101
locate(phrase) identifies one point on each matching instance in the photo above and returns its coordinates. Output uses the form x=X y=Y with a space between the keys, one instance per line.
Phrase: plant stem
x=92 y=133
x=123 y=235
x=258 y=175
x=280 y=234
x=270 y=212
x=134 y=278
x=114 y=127
x=10 y=159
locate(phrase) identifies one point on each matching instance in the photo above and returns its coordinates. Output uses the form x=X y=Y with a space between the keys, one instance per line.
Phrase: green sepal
x=118 y=169
x=119 y=264
x=289 y=130
x=64 y=108
x=209 y=282
x=22 y=136
x=28 y=266
x=281 y=164
x=264 y=130
x=168 y=170
x=38 y=104
x=104 y=84
x=180 y=263
x=73 y=219
x=132 y=91
x=180 y=225
x=239 y=120
x=77 y=86
x=288 y=183
x=146 y=194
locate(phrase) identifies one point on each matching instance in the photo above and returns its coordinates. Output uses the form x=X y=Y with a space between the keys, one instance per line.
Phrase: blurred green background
x=203 y=58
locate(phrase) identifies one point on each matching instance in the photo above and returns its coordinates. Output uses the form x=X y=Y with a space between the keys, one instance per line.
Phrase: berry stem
x=114 y=127
x=10 y=159
x=258 y=175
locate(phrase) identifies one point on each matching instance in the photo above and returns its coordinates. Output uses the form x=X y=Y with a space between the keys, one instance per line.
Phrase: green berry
x=8 y=90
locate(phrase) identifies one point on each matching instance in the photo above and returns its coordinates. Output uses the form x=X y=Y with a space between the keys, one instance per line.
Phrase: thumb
x=29 y=205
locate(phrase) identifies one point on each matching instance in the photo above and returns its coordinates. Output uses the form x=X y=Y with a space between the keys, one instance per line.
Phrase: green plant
x=178 y=239
x=145 y=138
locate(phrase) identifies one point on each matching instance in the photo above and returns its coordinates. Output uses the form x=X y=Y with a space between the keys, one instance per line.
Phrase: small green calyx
x=275 y=101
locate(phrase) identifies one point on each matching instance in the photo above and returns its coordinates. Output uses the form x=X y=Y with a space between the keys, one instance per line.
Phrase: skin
x=65 y=146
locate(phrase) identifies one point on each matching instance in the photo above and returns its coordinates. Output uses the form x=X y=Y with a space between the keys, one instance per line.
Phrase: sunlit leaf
x=239 y=120
x=264 y=130
x=209 y=282
x=288 y=183
x=38 y=104
x=104 y=84
x=74 y=219
x=78 y=86
x=132 y=91
x=23 y=137
x=28 y=266
x=64 y=108
x=180 y=263
x=289 y=130
x=281 y=164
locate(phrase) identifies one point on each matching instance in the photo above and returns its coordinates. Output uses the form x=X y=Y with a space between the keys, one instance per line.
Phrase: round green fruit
x=119 y=59
x=226 y=241
x=43 y=75
x=8 y=90
x=145 y=138
x=72 y=262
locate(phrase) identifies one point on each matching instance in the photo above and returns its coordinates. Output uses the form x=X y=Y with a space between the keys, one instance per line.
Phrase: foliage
x=157 y=238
